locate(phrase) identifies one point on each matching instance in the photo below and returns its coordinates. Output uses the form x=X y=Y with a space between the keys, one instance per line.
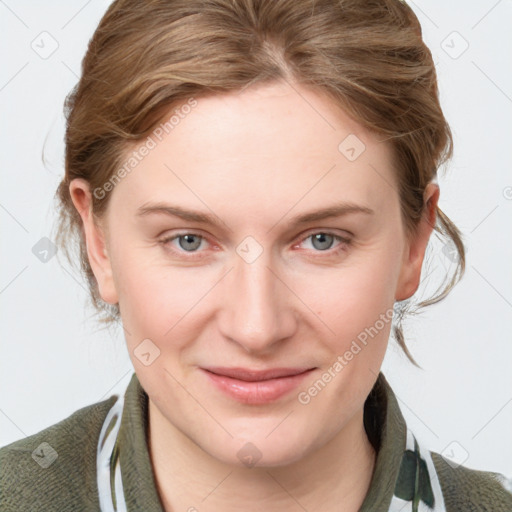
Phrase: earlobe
x=415 y=248
x=95 y=240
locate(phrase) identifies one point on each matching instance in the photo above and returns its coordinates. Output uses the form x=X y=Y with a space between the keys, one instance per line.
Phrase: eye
x=187 y=242
x=322 y=241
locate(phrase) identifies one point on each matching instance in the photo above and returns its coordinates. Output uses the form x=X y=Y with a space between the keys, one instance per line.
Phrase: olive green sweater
x=56 y=469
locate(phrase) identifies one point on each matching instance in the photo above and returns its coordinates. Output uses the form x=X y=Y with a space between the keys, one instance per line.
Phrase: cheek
x=154 y=298
x=354 y=296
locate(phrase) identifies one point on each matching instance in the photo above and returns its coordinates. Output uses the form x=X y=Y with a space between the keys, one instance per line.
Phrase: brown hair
x=146 y=57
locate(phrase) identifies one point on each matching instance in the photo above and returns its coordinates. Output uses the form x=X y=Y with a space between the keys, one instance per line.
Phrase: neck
x=335 y=476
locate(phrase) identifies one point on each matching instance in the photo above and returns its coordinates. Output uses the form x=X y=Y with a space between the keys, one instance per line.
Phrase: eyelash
x=342 y=247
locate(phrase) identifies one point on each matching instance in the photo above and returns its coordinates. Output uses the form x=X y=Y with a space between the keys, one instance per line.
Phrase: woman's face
x=243 y=282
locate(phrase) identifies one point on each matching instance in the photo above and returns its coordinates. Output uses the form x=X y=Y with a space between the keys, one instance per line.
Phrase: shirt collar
x=386 y=429
x=136 y=469
x=383 y=420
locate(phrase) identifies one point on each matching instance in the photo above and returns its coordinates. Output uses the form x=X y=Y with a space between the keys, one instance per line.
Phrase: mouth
x=256 y=387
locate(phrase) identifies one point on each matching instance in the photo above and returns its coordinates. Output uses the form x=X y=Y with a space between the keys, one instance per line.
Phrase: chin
x=258 y=451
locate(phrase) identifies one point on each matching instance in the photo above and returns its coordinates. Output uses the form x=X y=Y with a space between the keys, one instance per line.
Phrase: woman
x=253 y=188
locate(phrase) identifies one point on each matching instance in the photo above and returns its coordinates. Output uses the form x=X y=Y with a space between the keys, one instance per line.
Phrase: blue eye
x=189 y=242
x=321 y=239
x=322 y=242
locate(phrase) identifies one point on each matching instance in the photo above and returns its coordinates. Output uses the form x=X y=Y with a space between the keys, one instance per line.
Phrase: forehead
x=266 y=144
x=270 y=120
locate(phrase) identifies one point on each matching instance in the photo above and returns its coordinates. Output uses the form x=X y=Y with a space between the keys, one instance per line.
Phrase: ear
x=95 y=240
x=415 y=247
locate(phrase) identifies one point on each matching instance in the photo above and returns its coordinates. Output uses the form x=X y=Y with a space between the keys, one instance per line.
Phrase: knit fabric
x=57 y=468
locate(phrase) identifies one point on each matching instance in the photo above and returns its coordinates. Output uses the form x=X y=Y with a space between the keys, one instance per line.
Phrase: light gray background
x=55 y=361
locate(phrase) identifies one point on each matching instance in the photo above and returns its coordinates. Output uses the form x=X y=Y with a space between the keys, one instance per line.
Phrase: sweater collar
x=136 y=469
x=387 y=431
x=383 y=421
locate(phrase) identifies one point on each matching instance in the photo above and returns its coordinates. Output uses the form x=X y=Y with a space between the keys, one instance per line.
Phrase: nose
x=257 y=311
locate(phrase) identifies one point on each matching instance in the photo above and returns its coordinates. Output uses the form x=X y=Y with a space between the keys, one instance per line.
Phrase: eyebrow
x=337 y=210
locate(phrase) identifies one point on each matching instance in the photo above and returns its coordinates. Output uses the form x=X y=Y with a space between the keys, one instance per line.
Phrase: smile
x=256 y=387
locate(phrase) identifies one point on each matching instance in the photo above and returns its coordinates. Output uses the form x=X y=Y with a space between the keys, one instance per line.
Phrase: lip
x=256 y=386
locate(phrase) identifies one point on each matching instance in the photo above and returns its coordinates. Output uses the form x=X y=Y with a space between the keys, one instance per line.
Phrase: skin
x=256 y=159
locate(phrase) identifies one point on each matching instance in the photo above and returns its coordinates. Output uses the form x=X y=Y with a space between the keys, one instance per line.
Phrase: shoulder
x=54 y=469
x=472 y=490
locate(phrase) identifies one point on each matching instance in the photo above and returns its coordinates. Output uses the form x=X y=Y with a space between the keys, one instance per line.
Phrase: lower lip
x=256 y=393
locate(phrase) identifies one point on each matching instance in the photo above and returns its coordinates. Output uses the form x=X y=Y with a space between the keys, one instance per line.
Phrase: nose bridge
x=255 y=311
